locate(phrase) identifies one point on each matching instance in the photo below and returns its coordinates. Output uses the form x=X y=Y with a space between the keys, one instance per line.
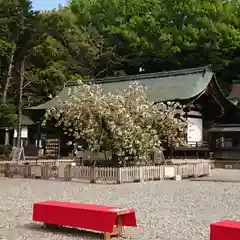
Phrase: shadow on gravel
x=71 y=232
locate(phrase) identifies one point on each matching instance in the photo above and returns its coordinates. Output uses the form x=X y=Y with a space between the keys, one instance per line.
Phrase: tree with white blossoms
x=125 y=123
x=170 y=125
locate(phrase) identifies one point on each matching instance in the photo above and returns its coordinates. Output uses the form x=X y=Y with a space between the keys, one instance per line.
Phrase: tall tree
x=68 y=52
x=163 y=35
x=17 y=22
x=54 y=47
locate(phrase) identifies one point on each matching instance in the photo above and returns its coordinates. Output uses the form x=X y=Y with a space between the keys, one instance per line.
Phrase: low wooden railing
x=193 y=169
x=105 y=174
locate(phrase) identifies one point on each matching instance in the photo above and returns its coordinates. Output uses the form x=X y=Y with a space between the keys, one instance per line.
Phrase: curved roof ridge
x=153 y=75
x=143 y=76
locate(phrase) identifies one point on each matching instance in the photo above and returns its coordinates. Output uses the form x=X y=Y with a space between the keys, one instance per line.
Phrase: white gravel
x=166 y=210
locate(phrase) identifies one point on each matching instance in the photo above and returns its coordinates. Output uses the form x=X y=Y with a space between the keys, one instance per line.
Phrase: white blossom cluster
x=125 y=122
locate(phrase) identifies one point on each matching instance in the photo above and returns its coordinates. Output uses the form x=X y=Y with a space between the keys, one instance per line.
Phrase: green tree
x=17 y=22
x=68 y=52
x=54 y=49
x=8 y=118
x=164 y=35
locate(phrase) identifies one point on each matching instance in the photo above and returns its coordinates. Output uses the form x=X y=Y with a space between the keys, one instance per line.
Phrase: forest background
x=40 y=51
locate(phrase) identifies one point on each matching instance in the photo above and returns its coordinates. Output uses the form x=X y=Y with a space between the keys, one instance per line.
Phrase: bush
x=5 y=151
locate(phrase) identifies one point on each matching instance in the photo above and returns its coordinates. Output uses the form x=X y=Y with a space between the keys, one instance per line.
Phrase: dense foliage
x=5 y=152
x=98 y=38
x=160 y=35
x=54 y=47
x=125 y=122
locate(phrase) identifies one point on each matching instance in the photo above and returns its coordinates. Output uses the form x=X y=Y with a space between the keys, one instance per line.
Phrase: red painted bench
x=108 y=220
x=225 y=230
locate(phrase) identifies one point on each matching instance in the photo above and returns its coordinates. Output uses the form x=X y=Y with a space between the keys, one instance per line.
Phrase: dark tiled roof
x=161 y=86
x=54 y=102
x=26 y=121
x=183 y=72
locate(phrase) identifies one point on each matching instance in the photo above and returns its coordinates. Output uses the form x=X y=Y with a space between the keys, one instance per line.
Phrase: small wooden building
x=225 y=141
x=9 y=136
x=196 y=88
x=26 y=126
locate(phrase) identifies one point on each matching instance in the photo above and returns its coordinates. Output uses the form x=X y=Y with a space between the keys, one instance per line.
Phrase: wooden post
x=93 y=178
x=42 y=171
x=45 y=171
x=209 y=170
x=26 y=171
x=67 y=173
x=119 y=175
x=38 y=139
x=195 y=170
x=141 y=174
x=7 y=170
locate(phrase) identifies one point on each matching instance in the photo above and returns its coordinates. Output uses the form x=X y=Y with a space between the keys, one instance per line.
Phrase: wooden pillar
x=6 y=136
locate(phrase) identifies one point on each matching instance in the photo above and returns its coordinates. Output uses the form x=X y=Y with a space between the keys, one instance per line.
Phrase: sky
x=47 y=4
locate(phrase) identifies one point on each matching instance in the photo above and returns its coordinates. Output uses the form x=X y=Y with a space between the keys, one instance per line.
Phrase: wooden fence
x=42 y=161
x=192 y=169
x=105 y=174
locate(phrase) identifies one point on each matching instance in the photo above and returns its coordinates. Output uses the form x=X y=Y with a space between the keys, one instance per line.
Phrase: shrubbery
x=5 y=151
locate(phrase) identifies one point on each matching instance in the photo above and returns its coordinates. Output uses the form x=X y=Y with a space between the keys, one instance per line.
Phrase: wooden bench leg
x=107 y=236
x=119 y=225
x=117 y=230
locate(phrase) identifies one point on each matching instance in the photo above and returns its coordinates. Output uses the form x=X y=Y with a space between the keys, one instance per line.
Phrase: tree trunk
x=19 y=128
x=9 y=76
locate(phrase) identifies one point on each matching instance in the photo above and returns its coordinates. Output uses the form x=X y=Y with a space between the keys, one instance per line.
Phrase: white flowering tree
x=126 y=122
x=170 y=125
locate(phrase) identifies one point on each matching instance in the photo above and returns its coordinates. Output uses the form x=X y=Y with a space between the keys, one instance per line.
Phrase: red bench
x=225 y=230
x=108 y=220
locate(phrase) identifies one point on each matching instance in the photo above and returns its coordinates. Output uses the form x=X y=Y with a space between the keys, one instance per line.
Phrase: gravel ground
x=166 y=210
x=222 y=175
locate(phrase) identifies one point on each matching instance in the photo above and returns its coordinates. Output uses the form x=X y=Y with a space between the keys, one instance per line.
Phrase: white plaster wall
x=195 y=128
x=24 y=133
